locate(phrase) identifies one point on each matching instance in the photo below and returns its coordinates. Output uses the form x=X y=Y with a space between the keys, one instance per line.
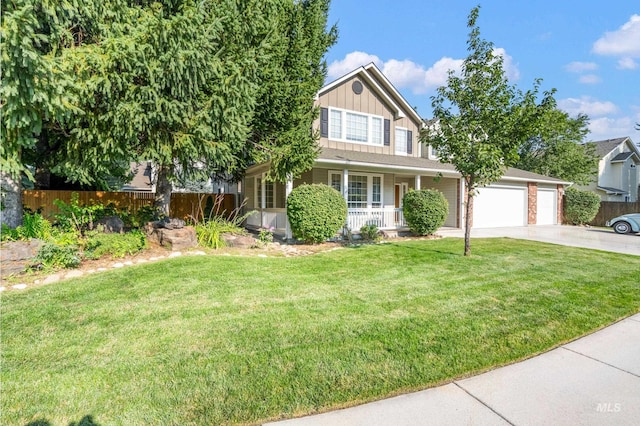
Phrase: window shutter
x=324 y=122
x=409 y=141
x=387 y=132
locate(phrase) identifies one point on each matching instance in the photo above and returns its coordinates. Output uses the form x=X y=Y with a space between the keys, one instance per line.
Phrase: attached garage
x=546 y=213
x=499 y=206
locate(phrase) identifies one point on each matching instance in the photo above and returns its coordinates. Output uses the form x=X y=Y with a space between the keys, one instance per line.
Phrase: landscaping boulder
x=175 y=239
x=111 y=224
x=16 y=255
x=239 y=241
x=171 y=223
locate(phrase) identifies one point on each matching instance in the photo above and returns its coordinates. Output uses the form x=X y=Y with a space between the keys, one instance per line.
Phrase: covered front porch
x=383 y=218
x=373 y=196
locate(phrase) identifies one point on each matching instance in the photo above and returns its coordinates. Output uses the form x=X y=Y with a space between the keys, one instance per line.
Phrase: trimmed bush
x=316 y=212
x=425 y=211
x=580 y=207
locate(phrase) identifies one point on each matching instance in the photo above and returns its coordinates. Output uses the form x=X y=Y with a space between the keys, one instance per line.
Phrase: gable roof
x=330 y=156
x=604 y=147
x=381 y=84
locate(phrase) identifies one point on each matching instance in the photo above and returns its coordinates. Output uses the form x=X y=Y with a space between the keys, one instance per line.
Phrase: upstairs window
x=349 y=126
x=404 y=141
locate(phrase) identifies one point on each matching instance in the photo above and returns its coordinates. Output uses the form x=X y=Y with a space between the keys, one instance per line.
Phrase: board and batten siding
x=368 y=102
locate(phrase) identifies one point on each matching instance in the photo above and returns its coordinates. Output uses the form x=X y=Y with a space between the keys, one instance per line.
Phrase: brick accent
x=532 y=190
x=560 y=204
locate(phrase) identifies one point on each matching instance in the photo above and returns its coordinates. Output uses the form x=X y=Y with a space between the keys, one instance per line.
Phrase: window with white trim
x=401 y=140
x=269 y=191
x=355 y=127
x=363 y=190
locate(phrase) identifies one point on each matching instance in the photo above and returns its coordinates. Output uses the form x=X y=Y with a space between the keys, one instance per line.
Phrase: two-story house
x=370 y=152
x=618 y=170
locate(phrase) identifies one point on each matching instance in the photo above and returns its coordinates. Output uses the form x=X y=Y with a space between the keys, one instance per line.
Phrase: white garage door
x=546 y=214
x=495 y=207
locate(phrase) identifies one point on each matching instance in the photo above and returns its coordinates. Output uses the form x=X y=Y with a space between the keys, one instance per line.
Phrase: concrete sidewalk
x=594 y=380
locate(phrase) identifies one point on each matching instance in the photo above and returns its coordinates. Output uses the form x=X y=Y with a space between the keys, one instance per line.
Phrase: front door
x=401 y=189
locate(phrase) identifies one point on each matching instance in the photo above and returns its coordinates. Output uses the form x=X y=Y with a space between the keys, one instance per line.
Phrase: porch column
x=345 y=184
x=417 y=188
x=263 y=200
x=288 y=188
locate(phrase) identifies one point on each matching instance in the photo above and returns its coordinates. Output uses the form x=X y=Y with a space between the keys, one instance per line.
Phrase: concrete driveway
x=575 y=236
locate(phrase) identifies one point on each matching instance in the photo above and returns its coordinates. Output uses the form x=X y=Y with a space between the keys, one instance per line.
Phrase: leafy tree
x=482 y=119
x=556 y=149
x=125 y=80
x=289 y=81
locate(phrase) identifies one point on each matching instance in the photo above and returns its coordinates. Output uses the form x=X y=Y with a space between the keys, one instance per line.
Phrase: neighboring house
x=618 y=170
x=370 y=152
x=142 y=177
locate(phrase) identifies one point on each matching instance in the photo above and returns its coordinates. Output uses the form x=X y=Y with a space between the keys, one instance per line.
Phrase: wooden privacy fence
x=610 y=209
x=182 y=204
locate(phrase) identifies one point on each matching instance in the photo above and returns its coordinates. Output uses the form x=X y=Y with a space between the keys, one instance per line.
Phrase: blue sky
x=588 y=50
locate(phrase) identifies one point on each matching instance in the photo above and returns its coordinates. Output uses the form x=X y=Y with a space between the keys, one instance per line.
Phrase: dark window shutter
x=387 y=132
x=409 y=142
x=324 y=122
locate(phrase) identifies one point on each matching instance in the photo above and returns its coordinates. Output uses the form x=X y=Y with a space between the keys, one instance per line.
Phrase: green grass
x=226 y=340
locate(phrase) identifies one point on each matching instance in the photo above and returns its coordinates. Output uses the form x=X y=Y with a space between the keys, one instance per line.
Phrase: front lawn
x=226 y=340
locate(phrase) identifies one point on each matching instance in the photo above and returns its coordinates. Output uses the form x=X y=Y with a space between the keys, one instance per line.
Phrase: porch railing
x=383 y=218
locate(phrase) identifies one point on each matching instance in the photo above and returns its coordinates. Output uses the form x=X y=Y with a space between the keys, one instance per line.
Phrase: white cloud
x=350 y=62
x=587 y=105
x=627 y=64
x=510 y=68
x=437 y=75
x=607 y=128
x=580 y=67
x=589 y=79
x=623 y=42
x=407 y=74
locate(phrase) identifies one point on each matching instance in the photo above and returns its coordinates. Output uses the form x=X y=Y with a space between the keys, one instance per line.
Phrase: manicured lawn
x=225 y=340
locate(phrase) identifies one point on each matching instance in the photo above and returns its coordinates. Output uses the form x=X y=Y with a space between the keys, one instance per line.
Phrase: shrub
x=54 y=256
x=316 y=212
x=74 y=217
x=33 y=226
x=369 y=232
x=425 y=211
x=210 y=232
x=115 y=245
x=580 y=207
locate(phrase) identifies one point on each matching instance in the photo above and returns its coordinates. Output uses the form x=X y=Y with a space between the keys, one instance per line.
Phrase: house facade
x=370 y=153
x=618 y=170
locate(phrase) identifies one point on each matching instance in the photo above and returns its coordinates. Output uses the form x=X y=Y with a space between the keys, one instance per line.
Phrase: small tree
x=482 y=119
x=425 y=210
x=316 y=212
x=580 y=207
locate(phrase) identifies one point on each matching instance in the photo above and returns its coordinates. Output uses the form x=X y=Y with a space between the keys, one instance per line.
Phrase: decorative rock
x=128 y=263
x=19 y=286
x=101 y=269
x=111 y=224
x=141 y=261
x=176 y=238
x=239 y=241
x=175 y=254
x=196 y=253
x=52 y=279
x=118 y=265
x=2 y=289
x=262 y=255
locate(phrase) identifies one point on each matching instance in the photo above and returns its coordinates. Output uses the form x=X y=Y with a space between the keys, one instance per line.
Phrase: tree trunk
x=468 y=217
x=162 y=200
x=11 y=198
